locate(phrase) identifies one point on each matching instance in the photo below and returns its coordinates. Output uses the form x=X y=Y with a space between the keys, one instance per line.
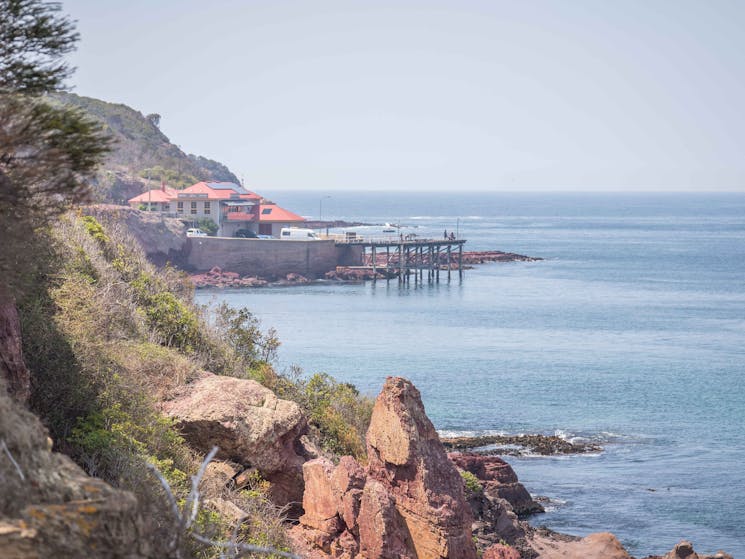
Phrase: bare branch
x=10 y=456
x=185 y=519
x=242 y=549
x=193 y=499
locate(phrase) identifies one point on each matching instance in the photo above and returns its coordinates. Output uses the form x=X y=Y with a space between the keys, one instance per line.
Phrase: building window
x=194 y=208
x=266 y=211
x=207 y=208
x=180 y=207
x=165 y=207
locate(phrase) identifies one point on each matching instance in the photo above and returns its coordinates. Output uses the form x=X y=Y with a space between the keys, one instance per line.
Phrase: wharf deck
x=408 y=256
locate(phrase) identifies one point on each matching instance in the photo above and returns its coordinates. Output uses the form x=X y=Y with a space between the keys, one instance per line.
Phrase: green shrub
x=95 y=229
x=242 y=332
x=470 y=482
x=339 y=412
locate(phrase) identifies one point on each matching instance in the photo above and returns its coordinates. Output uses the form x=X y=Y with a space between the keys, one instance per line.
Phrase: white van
x=297 y=234
x=194 y=232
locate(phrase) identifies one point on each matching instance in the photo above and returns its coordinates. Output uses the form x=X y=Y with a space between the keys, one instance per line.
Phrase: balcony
x=239 y=216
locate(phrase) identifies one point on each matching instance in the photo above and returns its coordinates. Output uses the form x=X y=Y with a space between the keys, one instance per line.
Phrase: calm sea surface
x=630 y=332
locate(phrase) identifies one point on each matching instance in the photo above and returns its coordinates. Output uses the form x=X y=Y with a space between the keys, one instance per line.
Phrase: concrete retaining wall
x=262 y=257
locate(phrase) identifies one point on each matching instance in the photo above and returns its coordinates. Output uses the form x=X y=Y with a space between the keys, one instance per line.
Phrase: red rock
x=500 y=551
x=601 y=545
x=348 y=481
x=320 y=502
x=409 y=503
x=407 y=460
x=498 y=479
x=249 y=424
x=381 y=534
x=486 y=468
x=12 y=367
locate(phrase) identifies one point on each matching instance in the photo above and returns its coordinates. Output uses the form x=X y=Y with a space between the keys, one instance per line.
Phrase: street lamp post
x=320 y=212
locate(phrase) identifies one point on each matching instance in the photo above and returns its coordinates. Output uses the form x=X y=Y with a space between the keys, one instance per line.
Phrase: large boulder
x=249 y=424
x=498 y=480
x=601 y=545
x=406 y=458
x=408 y=502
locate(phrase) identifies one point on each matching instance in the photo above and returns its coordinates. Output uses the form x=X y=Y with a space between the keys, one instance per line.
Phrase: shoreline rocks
x=218 y=278
x=498 y=479
x=519 y=445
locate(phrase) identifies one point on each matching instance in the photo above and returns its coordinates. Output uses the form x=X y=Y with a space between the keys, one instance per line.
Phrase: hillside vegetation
x=107 y=337
x=140 y=151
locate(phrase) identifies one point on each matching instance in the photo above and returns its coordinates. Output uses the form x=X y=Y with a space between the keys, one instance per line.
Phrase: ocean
x=630 y=332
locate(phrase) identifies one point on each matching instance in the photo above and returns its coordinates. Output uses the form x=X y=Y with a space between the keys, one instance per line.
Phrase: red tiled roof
x=155 y=195
x=218 y=193
x=213 y=190
x=273 y=213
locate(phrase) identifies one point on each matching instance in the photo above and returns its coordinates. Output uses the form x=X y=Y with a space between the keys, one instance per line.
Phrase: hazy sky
x=461 y=95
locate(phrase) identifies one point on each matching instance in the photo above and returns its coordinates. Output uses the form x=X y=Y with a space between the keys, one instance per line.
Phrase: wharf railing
x=405 y=255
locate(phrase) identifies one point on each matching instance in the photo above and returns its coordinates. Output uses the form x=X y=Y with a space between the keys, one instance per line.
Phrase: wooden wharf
x=404 y=257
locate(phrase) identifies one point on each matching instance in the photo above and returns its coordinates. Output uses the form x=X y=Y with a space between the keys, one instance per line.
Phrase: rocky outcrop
x=50 y=508
x=162 y=238
x=481 y=257
x=405 y=455
x=602 y=545
x=12 y=367
x=495 y=522
x=684 y=550
x=519 y=445
x=348 y=274
x=216 y=277
x=249 y=424
x=501 y=551
x=408 y=502
x=498 y=479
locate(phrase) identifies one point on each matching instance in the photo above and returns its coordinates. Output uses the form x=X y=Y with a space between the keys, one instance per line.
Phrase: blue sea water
x=631 y=332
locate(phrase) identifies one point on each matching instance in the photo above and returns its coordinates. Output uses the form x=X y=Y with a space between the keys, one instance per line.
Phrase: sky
x=583 y=95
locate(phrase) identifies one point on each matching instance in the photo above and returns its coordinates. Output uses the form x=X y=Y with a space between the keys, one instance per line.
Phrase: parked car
x=297 y=234
x=246 y=234
x=195 y=232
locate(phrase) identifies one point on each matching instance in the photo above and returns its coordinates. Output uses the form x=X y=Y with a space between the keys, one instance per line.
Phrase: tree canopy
x=33 y=38
x=46 y=151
